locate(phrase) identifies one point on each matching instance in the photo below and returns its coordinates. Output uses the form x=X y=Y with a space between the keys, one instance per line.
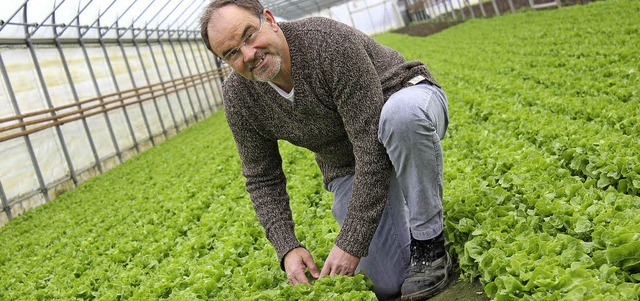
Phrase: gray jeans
x=412 y=123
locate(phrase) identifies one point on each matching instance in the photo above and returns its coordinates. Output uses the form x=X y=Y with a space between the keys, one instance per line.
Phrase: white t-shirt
x=287 y=96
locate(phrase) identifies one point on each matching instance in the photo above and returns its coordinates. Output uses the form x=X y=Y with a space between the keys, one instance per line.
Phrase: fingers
x=331 y=269
x=297 y=278
x=313 y=269
x=339 y=262
x=295 y=264
x=326 y=269
x=298 y=260
x=293 y=278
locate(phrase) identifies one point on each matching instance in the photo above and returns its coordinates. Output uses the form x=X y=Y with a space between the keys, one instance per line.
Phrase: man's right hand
x=295 y=264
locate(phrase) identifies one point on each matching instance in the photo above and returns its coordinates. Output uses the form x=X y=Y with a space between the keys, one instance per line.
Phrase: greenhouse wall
x=57 y=158
x=77 y=100
x=370 y=16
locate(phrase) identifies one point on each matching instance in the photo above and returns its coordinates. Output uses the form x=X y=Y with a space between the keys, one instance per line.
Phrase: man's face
x=247 y=43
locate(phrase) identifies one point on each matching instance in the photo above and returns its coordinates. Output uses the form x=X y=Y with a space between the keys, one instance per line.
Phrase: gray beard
x=267 y=77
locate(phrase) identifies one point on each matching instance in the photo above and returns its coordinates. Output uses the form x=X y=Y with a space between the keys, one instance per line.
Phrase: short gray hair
x=253 y=6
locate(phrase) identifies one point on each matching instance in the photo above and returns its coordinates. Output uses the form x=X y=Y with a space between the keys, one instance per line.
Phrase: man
x=374 y=122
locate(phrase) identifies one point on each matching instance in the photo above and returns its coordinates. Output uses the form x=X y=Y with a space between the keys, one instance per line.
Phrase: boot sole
x=430 y=292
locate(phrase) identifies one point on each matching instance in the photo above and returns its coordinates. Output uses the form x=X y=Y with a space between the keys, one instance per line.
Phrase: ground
x=430 y=27
x=462 y=290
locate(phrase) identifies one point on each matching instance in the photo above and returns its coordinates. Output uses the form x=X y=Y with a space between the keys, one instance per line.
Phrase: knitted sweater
x=341 y=78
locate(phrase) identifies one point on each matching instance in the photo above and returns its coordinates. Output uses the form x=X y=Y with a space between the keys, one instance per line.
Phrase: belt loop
x=416 y=80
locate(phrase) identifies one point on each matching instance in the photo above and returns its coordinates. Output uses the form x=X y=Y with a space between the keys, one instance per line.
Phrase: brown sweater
x=342 y=78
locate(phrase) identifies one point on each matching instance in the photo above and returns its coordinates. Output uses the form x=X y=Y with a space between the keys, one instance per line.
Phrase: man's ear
x=270 y=19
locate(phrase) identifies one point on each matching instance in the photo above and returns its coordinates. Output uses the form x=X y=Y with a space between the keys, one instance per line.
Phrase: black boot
x=430 y=269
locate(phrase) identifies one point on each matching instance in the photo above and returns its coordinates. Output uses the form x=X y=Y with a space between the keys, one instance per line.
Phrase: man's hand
x=339 y=262
x=296 y=262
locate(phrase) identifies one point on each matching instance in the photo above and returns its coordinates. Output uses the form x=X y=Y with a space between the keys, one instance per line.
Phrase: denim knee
x=402 y=115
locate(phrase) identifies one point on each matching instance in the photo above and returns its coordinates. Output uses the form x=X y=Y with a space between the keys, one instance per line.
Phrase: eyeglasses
x=234 y=54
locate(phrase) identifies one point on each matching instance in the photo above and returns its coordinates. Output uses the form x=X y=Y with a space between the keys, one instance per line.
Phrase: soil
x=462 y=290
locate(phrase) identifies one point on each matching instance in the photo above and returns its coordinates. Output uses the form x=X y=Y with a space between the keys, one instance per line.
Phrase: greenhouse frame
x=120 y=178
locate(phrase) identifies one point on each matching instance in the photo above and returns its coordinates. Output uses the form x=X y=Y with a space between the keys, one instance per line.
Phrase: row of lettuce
x=173 y=223
x=542 y=187
x=543 y=153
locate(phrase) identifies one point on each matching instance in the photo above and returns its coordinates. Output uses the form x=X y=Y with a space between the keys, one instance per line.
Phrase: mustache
x=256 y=58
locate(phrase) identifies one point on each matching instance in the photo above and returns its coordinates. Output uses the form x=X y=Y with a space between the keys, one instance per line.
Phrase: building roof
x=123 y=18
x=295 y=9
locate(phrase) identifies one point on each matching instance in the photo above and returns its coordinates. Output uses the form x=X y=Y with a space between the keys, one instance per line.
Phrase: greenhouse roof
x=36 y=19
x=296 y=9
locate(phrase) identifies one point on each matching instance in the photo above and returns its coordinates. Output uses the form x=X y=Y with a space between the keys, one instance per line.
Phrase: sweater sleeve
x=265 y=179
x=358 y=96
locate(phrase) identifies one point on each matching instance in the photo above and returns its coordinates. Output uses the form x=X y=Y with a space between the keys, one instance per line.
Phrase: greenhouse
x=121 y=177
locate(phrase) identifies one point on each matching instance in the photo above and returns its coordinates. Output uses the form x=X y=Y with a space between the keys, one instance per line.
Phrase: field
x=542 y=183
x=543 y=155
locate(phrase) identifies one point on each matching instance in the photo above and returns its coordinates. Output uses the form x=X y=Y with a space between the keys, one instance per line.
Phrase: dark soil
x=462 y=290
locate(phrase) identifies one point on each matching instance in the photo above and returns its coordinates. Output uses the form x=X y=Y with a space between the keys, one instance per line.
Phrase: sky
x=164 y=14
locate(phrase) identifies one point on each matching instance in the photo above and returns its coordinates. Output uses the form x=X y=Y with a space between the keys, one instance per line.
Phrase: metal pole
x=195 y=17
x=179 y=16
x=198 y=42
x=155 y=100
x=166 y=97
x=353 y=23
x=428 y=7
x=47 y=97
x=366 y=6
x=5 y=203
x=396 y=10
x=115 y=24
x=146 y=76
x=27 y=139
x=97 y=21
x=157 y=29
x=186 y=62
x=204 y=86
x=473 y=14
x=157 y=13
x=115 y=83
x=437 y=8
x=205 y=58
x=513 y=9
x=133 y=83
x=77 y=99
x=213 y=83
x=84 y=121
x=218 y=82
x=495 y=7
x=461 y=10
x=166 y=61
x=481 y=4
x=184 y=54
x=446 y=7
x=165 y=18
x=77 y=17
x=55 y=7
x=87 y=60
x=175 y=55
x=8 y=21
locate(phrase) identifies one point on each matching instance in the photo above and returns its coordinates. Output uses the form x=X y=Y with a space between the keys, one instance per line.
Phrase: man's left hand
x=339 y=262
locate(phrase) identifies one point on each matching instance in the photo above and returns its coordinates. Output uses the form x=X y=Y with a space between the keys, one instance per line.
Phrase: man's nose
x=248 y=53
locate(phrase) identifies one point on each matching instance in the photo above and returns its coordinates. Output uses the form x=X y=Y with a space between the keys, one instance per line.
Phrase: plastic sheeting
x=143 y=14
x=52 y=156
x=61 y=52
